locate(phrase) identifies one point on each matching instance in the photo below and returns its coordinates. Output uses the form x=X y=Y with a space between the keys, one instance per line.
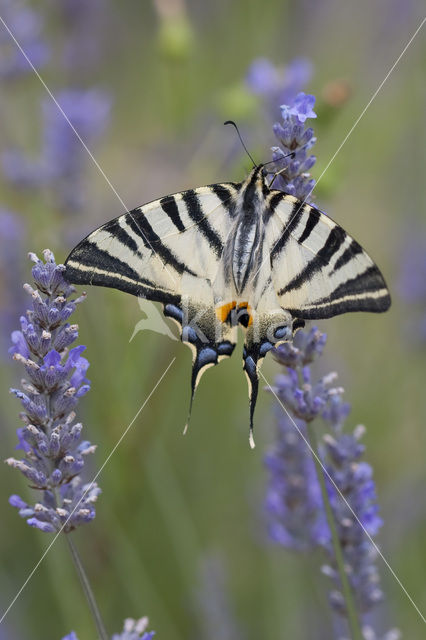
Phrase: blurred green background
x=175 y=509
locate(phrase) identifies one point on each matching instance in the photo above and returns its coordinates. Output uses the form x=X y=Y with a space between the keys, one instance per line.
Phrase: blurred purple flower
x=412 y=278
x=216 y=617
x=132 y=630
x=12 y=240
x=412 y=282
x=84 y=27
x=291 y=157
x=278 y=85
x=63 y=159
x=293 y=498
x=56 y=377
x=293 y=501
x=26 y=25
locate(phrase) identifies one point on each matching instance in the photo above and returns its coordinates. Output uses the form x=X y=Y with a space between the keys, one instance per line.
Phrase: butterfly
x=232 y=255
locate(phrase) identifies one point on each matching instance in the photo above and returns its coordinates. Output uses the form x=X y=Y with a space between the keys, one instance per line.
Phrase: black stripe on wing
x=170 y=208
x=122 y=236
x=333 y=243
x=87 y=264
x=290 y=226
x=313 y=219
x=273 y=202
x=365 y=292
x=227 y=193
x=196 y=214
x=141 y=227
x=353 y=250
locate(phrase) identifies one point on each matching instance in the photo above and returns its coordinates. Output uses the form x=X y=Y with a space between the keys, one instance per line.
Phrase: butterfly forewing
x=318 y=270
x=146 y=251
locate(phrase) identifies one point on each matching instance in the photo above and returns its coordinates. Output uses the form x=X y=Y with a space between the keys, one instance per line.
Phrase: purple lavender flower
x=132 y=630
x=54 y=452
x=291 y=157
x=294 y=501
x=63 y=159
x=278 y=85
x=26 y=25
x=12 y=238
x=293 y=498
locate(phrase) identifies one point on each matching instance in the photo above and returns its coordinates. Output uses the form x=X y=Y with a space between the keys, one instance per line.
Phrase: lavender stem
x=87 y=590
x=353 y=619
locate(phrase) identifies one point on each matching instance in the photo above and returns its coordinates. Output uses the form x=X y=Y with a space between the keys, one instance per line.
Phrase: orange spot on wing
x=224 y=311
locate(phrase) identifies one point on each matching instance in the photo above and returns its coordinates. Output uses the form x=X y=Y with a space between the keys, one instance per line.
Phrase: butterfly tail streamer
x=202 y=360
x=251 y=370
x=253 y=354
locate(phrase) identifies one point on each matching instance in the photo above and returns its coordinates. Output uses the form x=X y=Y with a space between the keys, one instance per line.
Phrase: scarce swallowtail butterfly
x=229 y=255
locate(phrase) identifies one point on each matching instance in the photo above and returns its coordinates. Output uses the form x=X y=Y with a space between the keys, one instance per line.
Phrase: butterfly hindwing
x=209 y=339
x=318 y=270
x=266 y=331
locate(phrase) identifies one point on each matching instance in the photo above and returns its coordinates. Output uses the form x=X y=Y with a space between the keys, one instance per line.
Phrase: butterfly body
x=232 y=255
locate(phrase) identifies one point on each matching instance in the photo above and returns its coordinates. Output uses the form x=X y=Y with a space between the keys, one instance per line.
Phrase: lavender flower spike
x=53 y=451
x=291 y=157
x=294 y=501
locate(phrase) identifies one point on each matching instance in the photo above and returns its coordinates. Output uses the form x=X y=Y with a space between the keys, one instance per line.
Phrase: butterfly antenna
x=278 y=173
x=241 y=140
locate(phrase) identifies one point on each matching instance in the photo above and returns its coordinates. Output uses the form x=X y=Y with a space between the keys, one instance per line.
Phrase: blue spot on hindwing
x=207 y=356
x=225 y=348
x=173 y=312
x=250 y=366
x=189 y=334
x=264 y=348
x=282 y=333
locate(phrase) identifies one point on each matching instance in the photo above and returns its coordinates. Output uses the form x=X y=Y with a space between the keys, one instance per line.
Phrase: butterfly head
x=257 y=179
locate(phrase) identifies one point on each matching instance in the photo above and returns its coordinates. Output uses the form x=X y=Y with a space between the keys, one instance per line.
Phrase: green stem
x=353 y=620
x=87 y=589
